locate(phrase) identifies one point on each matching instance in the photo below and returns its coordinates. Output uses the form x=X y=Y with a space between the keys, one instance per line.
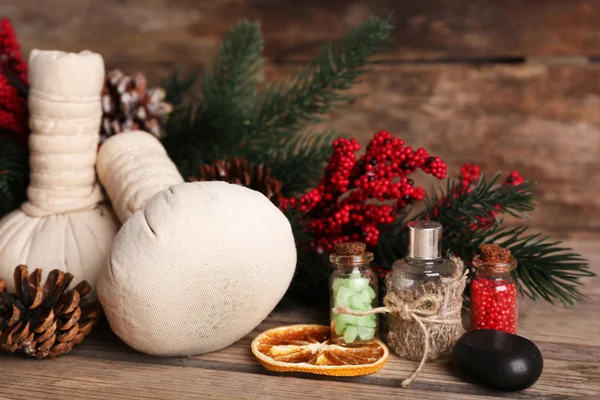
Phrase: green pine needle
x=287 y=106
x=236 y=69
x=460 y=206
x=206 y=127
x=14 y=174
x=176 y=87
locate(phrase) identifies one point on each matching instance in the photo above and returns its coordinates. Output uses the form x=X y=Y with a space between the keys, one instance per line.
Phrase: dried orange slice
x=307 y=348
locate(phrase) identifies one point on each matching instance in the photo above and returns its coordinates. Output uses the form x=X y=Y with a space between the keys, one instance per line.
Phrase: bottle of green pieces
x=353 y=289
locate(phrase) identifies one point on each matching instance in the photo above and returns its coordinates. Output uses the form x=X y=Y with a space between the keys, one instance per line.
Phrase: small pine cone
x=237 y=170
x=44 y=321
x=128 y=105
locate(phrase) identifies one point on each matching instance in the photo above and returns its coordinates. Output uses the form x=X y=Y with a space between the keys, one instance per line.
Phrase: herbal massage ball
x=198 y=265
x=63 y=224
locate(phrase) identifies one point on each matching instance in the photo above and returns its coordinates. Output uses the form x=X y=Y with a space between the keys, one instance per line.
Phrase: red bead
x=493 y=305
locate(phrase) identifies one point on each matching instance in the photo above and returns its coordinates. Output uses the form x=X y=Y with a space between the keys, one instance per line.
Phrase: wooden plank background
x=507 y=84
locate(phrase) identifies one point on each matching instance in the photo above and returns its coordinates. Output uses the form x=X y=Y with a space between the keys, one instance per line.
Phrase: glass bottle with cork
x=353 y=286
x=423 y=262
x=493 y=290
x=424 y=298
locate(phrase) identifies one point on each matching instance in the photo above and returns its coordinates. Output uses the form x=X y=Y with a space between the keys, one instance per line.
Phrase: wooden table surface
x=102 y=367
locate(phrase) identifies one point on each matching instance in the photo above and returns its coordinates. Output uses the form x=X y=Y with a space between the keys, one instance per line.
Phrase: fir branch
x=236 y=69
x=287 y=106
x=460 y=207
x=177 y=86
x=14 y=174
x=546 y=270
x=208 y=128
x=301 y=162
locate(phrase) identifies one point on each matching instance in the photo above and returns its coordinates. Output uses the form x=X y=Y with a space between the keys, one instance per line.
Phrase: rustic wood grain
x=175 y=31
x=83 y=378
x=103 y=367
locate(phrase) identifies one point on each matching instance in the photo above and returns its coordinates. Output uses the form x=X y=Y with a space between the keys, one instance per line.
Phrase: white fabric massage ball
x=195 y=270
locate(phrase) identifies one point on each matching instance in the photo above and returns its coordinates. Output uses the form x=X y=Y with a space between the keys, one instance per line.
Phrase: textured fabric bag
x=199 y=266
x=62 y=225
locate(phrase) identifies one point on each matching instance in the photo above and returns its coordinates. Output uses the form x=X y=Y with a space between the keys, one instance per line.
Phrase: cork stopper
x=493 y=258
x=350 y=249
x=492 y=253
x=351 y=253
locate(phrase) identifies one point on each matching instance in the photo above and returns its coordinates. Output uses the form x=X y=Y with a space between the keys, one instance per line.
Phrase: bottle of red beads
x=494 y=290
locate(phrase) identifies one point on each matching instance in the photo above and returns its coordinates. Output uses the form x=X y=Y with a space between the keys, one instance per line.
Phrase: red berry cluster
x=13 y=106
x=469 y=173
x=494 y=305
x=356 y=196
x=514 y=179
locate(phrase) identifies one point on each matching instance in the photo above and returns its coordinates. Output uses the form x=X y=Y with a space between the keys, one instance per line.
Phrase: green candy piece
x=342 y=296
x=359 y=283
x=355 y=275
x=345 y=319
x=339 y=325
x=365 y=297
x=350 y=334
x=340 y=282
x=366 y=333
x=371 y=292
x=357 y=302
x=369 y=321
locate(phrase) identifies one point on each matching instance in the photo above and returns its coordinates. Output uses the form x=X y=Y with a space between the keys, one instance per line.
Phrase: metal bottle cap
x=424 y=239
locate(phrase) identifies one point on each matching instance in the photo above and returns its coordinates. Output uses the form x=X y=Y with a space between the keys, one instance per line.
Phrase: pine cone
x=128 y=105
x=237 y=170
x=44 y=321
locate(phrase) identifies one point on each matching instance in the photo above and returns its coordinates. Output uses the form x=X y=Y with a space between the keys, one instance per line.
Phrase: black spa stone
x=498 y=359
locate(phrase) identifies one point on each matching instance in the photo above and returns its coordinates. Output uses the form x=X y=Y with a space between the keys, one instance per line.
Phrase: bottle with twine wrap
x=423 y=299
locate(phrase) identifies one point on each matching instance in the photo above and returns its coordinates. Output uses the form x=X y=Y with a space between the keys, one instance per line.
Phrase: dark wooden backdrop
x=504 y=83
